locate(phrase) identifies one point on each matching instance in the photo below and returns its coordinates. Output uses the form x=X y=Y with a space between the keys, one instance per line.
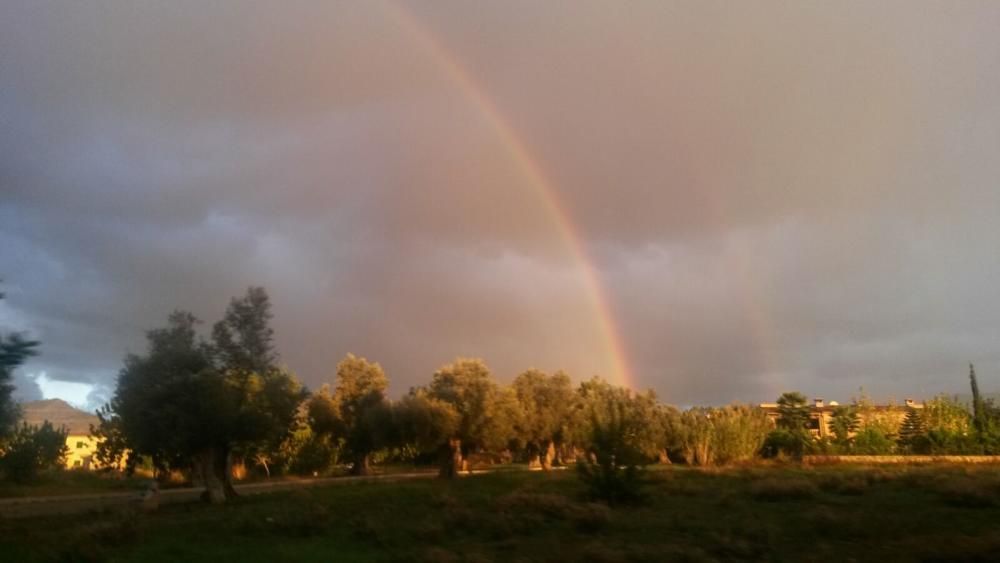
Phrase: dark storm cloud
x=797 y=197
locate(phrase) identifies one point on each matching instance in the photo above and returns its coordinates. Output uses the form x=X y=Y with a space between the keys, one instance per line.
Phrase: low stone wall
x=897 y=459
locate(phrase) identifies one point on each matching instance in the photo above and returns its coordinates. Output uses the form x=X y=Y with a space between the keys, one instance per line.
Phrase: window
x=81 y=445
x=77 y=463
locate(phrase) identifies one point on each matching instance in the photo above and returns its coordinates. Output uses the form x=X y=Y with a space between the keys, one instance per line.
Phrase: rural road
x=26 y=507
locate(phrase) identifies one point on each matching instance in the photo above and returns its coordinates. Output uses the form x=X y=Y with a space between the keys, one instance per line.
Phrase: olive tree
x=428 y=425
x=351 y=413
x=486 y=412
x=545 y=404
x=195 y=404
x=642 y=411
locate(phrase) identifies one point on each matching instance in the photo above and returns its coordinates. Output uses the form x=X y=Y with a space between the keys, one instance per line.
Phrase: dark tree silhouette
x=187 y=403
x=15 y=348
x=978 y=404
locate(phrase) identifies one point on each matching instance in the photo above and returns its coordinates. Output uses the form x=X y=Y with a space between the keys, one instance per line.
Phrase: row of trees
x=200 y=405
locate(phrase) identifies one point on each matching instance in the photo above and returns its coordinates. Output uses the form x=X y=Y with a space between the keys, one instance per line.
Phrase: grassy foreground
x=783 y=513
x=71 y=482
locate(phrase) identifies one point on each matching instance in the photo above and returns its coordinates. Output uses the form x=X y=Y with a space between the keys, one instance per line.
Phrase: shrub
x=946 y=442
x=873 y=441
x=611 y=483
x=738 y=433
x=610 y=467
x=731 y=434
x=32 y=450
x=306 y=453
x=786 y=443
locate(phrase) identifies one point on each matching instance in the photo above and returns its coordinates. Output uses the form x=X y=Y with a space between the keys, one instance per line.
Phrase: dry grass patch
x=585 y=517
x=843 y=484
x=775 y=489
x=966 y=493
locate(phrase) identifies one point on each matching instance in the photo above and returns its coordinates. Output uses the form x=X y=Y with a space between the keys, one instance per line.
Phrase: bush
x=786 y=443
x=32 y=450
x=306 y=453
x=946 y=442
x=610 y=467
x=872 y=441
x=740 y=430
x=608 y=482
x=720 y=436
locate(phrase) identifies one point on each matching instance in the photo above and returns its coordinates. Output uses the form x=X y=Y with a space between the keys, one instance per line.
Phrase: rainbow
x=534 y=176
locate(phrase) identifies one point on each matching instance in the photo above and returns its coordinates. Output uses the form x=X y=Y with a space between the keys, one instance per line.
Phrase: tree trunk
x=213 y=469
x=205 y=464
x=534 y=461
x=360 y=465
x=226 y=468
x=560 y=457
x=451 y=462
x=548 y=456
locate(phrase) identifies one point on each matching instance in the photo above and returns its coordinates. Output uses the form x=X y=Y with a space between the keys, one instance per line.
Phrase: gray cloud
x=774 y=197
x=26 y=388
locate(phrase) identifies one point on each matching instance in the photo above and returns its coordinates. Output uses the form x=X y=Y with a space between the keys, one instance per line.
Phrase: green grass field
x=782 y=513
x=71 y=482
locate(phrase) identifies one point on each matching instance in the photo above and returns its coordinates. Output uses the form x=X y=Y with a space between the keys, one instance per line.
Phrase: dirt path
x=25 y=507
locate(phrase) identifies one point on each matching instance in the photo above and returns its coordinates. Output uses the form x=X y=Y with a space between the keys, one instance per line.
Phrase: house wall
x=887 y=417
x=81 y=452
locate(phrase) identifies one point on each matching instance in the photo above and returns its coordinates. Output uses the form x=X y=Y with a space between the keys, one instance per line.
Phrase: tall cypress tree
x=978 y=405
x=912 y=427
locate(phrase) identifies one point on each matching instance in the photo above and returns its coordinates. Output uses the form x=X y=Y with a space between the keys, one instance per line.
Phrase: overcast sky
x=798 y=195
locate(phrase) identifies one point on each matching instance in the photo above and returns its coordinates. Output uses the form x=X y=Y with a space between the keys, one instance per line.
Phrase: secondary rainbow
x=534 y=175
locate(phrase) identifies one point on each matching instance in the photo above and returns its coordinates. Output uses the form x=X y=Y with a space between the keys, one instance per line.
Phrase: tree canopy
x=356 y=412
x=486 y=412
x=191 y=403
x=545 y=403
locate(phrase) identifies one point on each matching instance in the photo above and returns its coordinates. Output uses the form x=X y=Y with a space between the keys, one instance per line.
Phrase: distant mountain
x=59 y=413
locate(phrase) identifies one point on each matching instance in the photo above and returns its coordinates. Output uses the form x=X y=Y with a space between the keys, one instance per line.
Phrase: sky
x=719 y=201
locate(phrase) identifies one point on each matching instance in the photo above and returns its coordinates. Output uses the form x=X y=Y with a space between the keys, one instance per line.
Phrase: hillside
x=59 y=413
